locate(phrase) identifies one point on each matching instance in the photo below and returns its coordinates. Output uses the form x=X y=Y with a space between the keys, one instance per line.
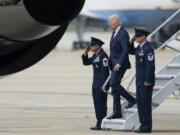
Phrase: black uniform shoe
x=143 y=131
x=115 y=116
x=95 y=128
x=131 y=104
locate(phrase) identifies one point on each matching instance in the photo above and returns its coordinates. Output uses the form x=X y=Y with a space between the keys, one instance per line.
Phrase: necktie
x=112 y=35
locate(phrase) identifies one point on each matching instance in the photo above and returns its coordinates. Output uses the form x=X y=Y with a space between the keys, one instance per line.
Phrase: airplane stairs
x=167 y=82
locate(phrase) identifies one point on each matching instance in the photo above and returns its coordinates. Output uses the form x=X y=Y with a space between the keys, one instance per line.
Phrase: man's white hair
x=115 y=18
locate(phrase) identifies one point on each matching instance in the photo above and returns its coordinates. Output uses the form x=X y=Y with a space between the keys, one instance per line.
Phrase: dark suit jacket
x=119 y=51
x=119 y=54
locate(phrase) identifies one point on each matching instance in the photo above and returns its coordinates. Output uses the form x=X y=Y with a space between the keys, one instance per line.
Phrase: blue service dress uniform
x=100 y=63
x=119 y=54
x=145 y=72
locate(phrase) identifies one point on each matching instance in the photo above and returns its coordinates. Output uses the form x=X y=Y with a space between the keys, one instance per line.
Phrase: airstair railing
x=163 y=45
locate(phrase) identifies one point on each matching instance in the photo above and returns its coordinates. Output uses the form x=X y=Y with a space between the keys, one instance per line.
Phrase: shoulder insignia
x=150 y=57
x=105 y=62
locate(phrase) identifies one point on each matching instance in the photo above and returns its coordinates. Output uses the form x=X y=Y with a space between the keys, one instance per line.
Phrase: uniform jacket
x=145 y=63
x=100 y=63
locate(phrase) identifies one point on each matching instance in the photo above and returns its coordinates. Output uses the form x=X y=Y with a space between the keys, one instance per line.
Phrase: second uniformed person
x=100 y=63
x=145 y=78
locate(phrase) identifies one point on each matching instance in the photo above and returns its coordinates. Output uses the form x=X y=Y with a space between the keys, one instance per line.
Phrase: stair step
x=161 y=80
x=130 y=110
x=173 y=66
x=165 y=77
x=156 y=88
x=178 y=38
x=125 y=113
x=114 y=121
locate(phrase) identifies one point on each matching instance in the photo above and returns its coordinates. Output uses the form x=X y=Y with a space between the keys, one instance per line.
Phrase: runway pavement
x=54 y=98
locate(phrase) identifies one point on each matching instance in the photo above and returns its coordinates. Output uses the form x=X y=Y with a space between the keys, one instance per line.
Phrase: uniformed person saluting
x=100 y=63
x=145 y=78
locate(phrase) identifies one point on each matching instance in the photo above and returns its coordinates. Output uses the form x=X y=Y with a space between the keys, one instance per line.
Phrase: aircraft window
x=9 y=2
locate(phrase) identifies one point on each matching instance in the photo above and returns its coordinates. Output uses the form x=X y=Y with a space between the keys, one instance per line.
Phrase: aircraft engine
x=30 y=29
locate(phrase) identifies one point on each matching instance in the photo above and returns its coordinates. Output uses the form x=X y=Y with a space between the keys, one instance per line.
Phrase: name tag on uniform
x=141 y=53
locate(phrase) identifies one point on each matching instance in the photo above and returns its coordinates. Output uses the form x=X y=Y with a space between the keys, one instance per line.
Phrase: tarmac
x=54 y=97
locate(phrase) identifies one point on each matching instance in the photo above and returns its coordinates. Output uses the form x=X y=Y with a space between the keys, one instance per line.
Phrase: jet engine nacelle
x=30 y=29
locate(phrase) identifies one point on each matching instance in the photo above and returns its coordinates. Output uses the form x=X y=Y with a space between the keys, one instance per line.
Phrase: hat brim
x=140 y=35
x=95 y=44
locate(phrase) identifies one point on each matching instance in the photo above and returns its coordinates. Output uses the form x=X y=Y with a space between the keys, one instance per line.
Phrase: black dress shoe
x=143 y=131
x=115 y=116
x=95 y=128
x=131 y=104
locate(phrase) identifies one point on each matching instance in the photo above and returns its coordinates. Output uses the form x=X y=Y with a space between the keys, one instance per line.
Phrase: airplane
x=147 y=14
x=30 y=29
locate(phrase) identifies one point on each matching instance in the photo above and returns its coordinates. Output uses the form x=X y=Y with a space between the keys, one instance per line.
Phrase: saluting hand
x=146 y=84
x=87 y=50
x=133 y=40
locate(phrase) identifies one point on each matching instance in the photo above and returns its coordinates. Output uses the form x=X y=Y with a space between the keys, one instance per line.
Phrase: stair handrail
x=162 y=25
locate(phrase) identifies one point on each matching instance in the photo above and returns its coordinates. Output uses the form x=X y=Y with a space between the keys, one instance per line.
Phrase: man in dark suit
x=145 y=78
x=119 y=57
x=100 y=63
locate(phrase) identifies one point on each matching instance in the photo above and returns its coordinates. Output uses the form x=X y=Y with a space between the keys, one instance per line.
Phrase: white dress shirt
x=116 y=31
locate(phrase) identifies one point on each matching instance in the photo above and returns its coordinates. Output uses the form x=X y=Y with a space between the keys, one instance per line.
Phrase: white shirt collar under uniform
x=117 y=30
